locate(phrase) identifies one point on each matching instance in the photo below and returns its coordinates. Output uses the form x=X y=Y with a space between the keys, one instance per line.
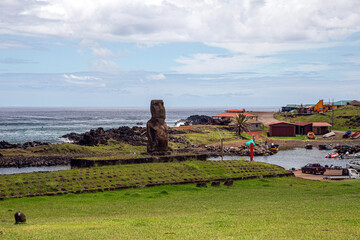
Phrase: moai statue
x=156 y=129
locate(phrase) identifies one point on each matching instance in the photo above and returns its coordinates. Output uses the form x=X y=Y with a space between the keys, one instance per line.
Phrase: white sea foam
x=65 y=140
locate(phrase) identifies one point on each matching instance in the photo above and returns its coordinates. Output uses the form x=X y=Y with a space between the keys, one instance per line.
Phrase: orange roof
x=233 y=114
x=249 y=115
x=321 y=124
x=226 y=114
x=302 y=123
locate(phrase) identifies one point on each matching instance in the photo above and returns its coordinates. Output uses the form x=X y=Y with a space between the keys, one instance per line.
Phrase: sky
x=205 y=53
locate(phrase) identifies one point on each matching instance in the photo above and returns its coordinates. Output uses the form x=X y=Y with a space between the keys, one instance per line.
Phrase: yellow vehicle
x=274 y=148
x=311 y=135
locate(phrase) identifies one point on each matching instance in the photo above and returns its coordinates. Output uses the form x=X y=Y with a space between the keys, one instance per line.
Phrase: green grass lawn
x=211 y=134
x=277 y=208
x=297 y=137
x=129 y=175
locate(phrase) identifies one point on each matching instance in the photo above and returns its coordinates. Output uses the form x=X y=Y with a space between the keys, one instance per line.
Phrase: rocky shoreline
x=260 y=149
x=6 y=145
x=19 y=161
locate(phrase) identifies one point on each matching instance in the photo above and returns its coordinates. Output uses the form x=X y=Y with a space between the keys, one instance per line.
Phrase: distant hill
x=345 y=118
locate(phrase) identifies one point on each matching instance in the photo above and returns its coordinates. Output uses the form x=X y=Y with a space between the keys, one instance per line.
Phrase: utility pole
x=222 y=145
x=332 y=115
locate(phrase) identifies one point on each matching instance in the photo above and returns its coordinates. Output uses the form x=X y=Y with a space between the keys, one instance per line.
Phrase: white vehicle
x=355 y=164
x=342 y=174
x=330 y=134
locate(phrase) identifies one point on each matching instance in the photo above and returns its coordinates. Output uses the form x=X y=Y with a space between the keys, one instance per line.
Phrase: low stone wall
x=82 y=163
x=23 y=161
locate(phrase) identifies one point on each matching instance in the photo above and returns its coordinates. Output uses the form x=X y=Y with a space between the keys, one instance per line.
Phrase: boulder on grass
x=201 y=184
x=215 y=184
x=20 y=217
x=228 y=183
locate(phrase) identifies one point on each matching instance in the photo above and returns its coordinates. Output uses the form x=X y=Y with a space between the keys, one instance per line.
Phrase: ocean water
x=19 y=125
x=295 y=158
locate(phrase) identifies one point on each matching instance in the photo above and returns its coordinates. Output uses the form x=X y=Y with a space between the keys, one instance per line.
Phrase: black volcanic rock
x=134 y=136
x=6 y=145
x=33 y=144
x=196 y=120
x=23 y=161
x=20 y=217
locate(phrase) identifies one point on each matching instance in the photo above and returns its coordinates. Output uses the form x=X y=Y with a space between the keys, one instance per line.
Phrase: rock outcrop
x=260 y=149
x=20 y=217
x=195 y=120
x=156 y=129
x=6 y=145
x=135 y=136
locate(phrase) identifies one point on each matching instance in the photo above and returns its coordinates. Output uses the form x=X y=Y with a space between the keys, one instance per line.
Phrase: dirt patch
x=265 y=117
x=299 y=174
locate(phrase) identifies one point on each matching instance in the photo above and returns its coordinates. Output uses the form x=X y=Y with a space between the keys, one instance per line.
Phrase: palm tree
x=241 y=123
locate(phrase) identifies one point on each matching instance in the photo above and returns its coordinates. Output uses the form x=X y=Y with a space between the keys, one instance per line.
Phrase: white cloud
x=307 y=67
x=102 y=56
x=84 y=80
x=159 y=76
x=13 y=44
x=212 y=63
x=268 y=48
x=215 y=21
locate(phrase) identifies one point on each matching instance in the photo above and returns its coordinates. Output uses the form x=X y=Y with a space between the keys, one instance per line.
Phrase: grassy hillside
x=345 y=118
x=278 y=208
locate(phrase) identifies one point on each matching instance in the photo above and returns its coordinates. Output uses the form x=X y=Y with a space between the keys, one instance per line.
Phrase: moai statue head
x=157 y=109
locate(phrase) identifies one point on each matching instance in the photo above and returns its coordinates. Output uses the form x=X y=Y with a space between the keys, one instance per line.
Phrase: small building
x=302 y=128
x=225 y=118
x=322 y=106
x=320 y=128
x=289 y=107
x=254 y=125
x=354 y=103
x=282 y=129
x=306 y=109
x=341 y=103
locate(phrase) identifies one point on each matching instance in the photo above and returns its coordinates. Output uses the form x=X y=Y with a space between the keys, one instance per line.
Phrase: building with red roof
x=282 y=129
x=285 y=129
x=302 y=128
x=320 y=128
x=225 y=118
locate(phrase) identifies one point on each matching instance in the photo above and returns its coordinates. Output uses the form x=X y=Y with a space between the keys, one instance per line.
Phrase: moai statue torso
x=156 y=129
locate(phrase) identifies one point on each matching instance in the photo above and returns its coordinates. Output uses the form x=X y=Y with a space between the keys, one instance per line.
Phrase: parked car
x=355 y=164
x=313 y=168
x=355 y=135
x=341 y=174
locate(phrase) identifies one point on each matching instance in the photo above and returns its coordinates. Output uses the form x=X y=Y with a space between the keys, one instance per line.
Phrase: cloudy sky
x=123 y=53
